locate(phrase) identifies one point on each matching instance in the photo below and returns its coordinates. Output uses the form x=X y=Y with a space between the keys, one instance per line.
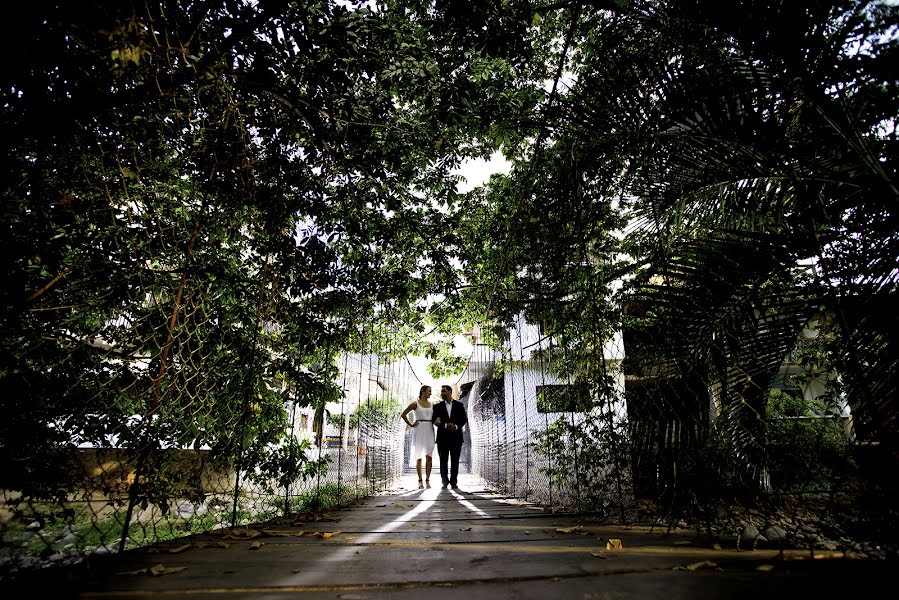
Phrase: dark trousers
x=453 y=452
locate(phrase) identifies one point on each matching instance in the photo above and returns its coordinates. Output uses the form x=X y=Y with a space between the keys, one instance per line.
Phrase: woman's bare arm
x=403 y=414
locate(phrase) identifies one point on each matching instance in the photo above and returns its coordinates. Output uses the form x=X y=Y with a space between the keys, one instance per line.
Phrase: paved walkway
x=472 y=544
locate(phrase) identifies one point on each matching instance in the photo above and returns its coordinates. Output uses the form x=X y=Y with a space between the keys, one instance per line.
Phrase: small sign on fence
x=336 y=441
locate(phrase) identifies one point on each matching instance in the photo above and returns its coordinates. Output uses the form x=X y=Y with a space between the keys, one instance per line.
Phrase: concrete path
x=436 y=544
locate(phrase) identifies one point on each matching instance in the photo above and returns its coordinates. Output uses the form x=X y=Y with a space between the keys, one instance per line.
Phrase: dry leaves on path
x=299 y=533
x=241 y=534
x=705 y=564
x=324 y=534
x=155 y=570
x=224 y=545
x=299 y=519
x=283 y=532
x=576 y=529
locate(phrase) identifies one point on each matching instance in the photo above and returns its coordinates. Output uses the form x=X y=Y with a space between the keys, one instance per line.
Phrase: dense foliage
x=204 y=203
x=734 y=167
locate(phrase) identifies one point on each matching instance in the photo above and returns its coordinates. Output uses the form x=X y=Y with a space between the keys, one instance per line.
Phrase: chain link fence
x=120 y=497
x=591 y=432
x=621 y=429
x=544 y=432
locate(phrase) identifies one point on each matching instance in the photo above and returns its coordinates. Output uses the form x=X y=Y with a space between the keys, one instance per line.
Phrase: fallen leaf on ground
x=241 y=534
x=614 y=544
x=306 y=517
x=180 y=548
x=256 y=545
x=764 y=568
x=705 y=564
x=325 y=534
x=156 y=570
x=317 y=534
x=465 y=529
x=213 y=545
x=575 y=529
x=403 y=505
x=282 y=532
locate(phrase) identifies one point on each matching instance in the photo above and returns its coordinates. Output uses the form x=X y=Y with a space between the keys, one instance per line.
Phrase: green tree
x=202 y=199
x=732 y=147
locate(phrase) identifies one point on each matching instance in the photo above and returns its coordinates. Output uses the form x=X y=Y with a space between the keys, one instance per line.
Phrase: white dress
x=422 y=434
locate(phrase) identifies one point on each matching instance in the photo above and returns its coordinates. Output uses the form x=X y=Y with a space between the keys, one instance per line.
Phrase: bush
x=808 y=450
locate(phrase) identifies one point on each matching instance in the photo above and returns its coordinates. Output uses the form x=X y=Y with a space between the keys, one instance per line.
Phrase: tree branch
x=52 y=282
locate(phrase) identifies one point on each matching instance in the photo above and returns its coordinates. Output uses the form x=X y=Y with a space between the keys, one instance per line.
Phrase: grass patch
x=324 y=497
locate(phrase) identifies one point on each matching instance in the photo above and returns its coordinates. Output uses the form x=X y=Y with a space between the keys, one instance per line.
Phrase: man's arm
x=464 y=420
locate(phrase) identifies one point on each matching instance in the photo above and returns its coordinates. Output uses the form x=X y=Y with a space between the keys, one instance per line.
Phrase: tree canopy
x=200 y=198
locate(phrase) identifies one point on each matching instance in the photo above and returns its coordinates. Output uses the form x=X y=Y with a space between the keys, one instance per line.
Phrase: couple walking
x=448 y=417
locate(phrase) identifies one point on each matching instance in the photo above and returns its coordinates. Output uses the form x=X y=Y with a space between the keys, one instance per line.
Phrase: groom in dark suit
x=449 y=417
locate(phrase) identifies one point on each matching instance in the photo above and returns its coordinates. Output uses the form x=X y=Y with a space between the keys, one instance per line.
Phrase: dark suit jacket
x=459 y=418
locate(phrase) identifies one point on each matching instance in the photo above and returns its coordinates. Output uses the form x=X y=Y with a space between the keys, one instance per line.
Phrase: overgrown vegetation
x=204 y=204
x=729 y=167
x=586 y=462
x=84 y=529
x=808 y=446
x=324 y=497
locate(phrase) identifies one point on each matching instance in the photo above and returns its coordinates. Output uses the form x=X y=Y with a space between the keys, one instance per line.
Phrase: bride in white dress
x=422 y=434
